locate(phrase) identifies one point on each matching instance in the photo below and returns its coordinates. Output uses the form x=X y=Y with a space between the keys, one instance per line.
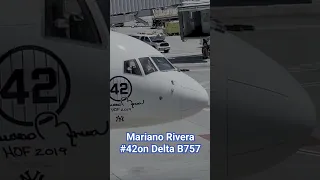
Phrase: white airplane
x=146 y=89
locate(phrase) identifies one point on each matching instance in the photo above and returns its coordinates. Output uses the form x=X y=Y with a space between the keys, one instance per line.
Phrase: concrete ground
x=178 y=48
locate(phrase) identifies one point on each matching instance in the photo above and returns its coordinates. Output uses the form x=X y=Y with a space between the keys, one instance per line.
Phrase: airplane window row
x=132 y=66
x=70 y=19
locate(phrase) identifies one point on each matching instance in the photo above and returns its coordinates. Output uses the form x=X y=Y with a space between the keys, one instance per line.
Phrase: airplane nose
x=193 y=99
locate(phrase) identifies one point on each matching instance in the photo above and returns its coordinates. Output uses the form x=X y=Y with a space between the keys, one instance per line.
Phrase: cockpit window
x=131 y=67
x=162 y=63
x=70 y=19
x=147 y=65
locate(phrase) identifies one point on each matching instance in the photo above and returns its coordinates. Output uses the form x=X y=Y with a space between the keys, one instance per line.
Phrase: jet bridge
x=119 y=7
x=128 y=10
x=194 y=19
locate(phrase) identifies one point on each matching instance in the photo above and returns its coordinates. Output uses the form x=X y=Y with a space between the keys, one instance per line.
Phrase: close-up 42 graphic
x=120 y=88
x=17 y=77
x=33 y=80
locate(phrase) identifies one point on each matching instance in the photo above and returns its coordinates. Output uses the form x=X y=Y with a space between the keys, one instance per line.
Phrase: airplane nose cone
x=193 y=99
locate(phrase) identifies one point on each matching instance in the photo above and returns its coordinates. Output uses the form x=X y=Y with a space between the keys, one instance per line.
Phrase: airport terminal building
x=118 y=7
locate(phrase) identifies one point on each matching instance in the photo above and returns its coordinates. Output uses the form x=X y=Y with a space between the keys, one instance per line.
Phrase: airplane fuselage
x=141 y=96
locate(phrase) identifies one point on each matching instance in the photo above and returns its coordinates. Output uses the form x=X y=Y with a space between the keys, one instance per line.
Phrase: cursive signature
x=131 y=102
x=71 y=134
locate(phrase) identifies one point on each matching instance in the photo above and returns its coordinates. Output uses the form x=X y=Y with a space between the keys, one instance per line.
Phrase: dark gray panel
x=215 y=3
